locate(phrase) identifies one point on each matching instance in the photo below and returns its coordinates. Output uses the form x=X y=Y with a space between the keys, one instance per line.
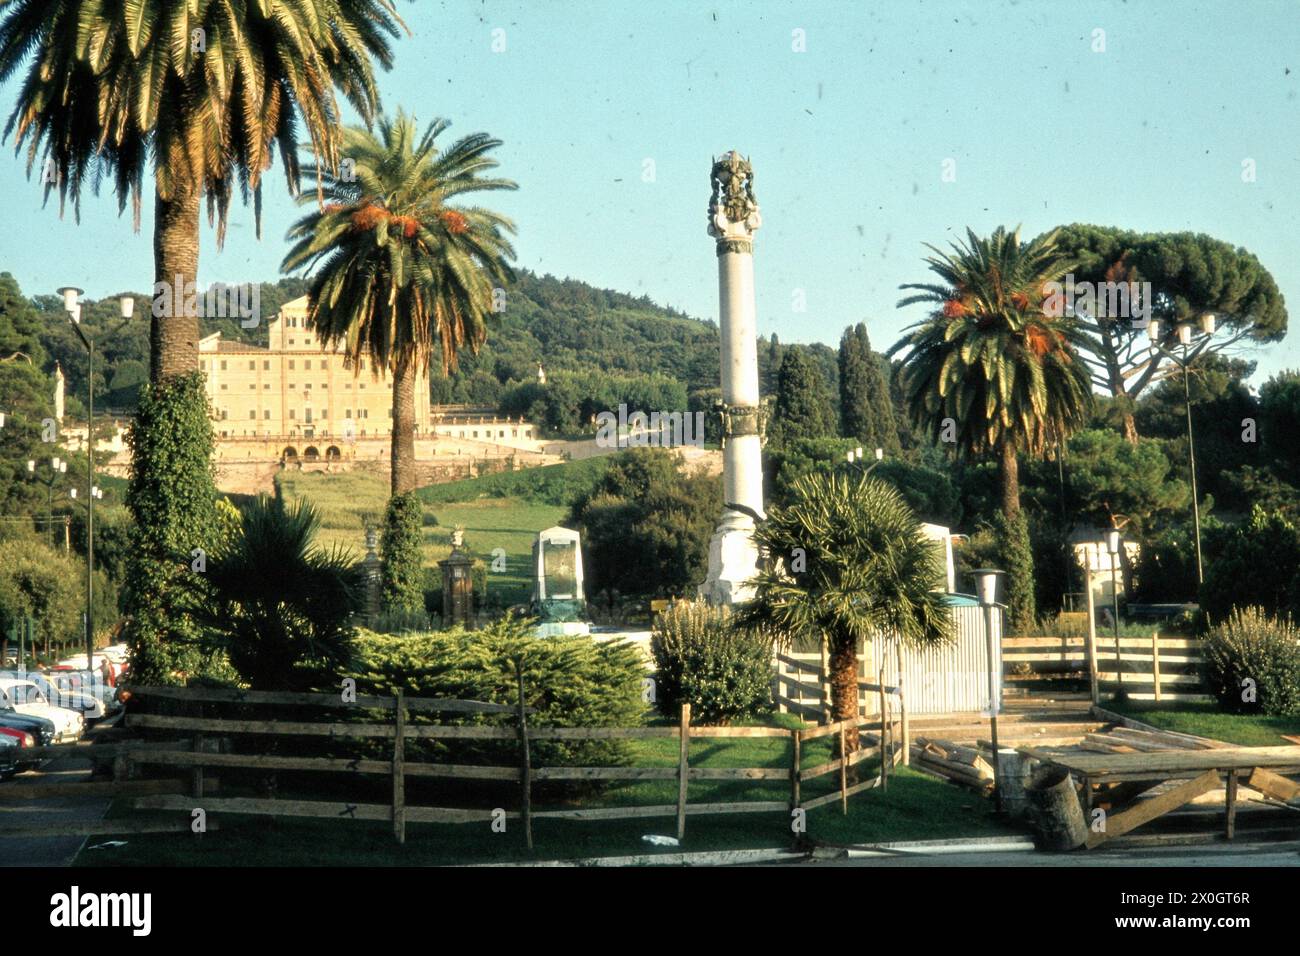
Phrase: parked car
x=39 y=727
x=81 y=691
x=26 y=741
x=8 y=757
x=24 y=697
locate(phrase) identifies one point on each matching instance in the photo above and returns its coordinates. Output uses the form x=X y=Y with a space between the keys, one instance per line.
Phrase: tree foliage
x=646 y=526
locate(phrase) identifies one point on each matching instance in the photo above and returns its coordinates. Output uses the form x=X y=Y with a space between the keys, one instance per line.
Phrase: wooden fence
x=196 y=754
x=1155 y=668
x=803 y=689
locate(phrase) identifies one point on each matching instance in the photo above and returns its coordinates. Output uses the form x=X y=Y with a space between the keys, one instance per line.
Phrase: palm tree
x=278 y=605
x=200 y=93
x=990 y=370
x=846 y=558
x=399 y=272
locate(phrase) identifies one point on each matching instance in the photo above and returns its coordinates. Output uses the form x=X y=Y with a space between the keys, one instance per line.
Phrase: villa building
x=297 y=399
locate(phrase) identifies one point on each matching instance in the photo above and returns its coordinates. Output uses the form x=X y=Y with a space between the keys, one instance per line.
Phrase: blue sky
x=848 y=140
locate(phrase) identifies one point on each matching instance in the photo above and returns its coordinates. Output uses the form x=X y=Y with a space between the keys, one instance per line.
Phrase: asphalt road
x=49 y=851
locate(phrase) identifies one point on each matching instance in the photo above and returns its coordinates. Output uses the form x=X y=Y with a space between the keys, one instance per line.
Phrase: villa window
x=291 y=361
x=252 y=365
x=252 y=413
x=291 y=343
x=266 y=413
x=293 y=414
x=225 y=414
x=224 y=386
x=266 y=365
x=223 y=365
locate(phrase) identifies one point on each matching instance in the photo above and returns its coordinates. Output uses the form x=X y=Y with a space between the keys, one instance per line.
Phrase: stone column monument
x=733 y=219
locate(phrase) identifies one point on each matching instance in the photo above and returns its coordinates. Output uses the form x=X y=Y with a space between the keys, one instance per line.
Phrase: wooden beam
x=1144 y=811
x=1274 y=785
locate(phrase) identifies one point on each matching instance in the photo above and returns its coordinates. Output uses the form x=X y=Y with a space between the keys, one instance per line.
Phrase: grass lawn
x=490 y=523
x=1205 y=720
x=915 y=807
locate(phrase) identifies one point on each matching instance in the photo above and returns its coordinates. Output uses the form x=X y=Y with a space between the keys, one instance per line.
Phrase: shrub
x=399 y=549
x=724 y=672
x=569 y=681
x=1251 y=646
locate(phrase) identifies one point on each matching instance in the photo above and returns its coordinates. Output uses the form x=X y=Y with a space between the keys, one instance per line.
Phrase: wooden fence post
x=1155 y=661
x=827 y=713
x=196 y=775
x=780 y=697
x=1093 y=665
x=884 y=730
x=399 y=767
x=525 y=768
x=902 y=710
x=684 y=734
x=844 y=770
x=796 y=739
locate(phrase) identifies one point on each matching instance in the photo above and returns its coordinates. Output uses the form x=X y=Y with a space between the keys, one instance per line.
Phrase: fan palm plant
x=278 y=605
x=847 y=559
x=990 y=370
x=398 y=272
x=196 y=92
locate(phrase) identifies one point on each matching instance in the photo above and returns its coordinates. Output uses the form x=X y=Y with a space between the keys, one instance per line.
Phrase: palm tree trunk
x=174 y=334
x=403 y=449
x=1009 y=479
x=844 y=684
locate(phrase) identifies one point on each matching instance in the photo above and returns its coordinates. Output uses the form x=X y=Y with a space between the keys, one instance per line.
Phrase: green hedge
x=569 y=681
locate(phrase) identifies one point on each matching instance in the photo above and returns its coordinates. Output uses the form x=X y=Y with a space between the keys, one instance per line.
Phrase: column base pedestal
x=733 y=563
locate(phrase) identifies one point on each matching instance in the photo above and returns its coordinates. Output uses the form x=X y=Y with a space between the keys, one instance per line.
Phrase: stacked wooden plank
x=943 y=758
x=1127 y=740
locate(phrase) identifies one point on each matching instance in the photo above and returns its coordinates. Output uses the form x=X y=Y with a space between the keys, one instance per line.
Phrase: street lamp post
x=986 y=585
x=126 y=306
x=57 y=467
x=1189 y=353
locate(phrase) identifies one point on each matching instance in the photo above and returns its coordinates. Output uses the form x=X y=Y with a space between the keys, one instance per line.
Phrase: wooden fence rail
x=191 y=754
x=1152 y=668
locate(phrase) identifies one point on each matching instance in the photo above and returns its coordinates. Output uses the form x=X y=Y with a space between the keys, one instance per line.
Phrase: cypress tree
x=803 y=405
x=866 y=412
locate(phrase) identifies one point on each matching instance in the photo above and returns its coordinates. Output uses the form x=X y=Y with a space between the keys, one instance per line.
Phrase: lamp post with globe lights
x=126 y=308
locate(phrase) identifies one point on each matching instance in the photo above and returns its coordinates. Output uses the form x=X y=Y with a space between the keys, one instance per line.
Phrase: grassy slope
x=1205 y=720
x=490 y=523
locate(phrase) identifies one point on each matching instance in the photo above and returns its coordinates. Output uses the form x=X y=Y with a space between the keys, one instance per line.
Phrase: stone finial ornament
x=733 y=210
